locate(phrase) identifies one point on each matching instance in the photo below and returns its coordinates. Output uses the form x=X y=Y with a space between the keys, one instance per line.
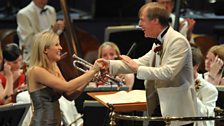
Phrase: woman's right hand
x=7 y=69
x=216 y=66
x=215 y=72
x=95 y=67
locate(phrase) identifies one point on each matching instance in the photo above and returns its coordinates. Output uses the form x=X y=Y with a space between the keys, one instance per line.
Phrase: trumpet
x=86 y=66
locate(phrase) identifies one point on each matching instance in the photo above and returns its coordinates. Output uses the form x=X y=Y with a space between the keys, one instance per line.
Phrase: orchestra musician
x=207 y=94
x=110 y=51
x=8 y=90
x=214 y=65
x=186 y=25
x=11 y=74
x=36 y=17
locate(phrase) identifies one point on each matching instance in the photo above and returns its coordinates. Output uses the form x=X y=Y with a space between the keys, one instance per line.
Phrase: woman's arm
x=39 y=77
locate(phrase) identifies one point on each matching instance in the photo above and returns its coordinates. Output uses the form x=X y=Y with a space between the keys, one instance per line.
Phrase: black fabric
x=43 y=10
x=156 y=41
x=170 y=20
x=164 y=32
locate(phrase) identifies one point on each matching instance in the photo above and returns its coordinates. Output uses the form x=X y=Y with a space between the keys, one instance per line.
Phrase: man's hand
x=191 y=23
x=131 y=63
x=103 y=64
x=59 y=26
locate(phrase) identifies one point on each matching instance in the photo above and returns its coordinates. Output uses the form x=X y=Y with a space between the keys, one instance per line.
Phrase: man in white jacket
x=167 y=70
x=36 y=17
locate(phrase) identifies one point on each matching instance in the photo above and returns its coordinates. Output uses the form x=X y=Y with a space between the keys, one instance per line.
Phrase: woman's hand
x=215 y=73
x=7 y=69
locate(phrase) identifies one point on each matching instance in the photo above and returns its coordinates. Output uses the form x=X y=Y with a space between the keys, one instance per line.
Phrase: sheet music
x=123 y=97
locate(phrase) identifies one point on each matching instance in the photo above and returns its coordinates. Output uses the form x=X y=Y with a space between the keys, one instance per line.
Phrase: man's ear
x=196 y=66
x=45 y=51
x=156 y=20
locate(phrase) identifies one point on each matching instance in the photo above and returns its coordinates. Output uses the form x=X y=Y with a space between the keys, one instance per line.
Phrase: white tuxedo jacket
x=171 y=81
x=29 y=25
x=207 y=96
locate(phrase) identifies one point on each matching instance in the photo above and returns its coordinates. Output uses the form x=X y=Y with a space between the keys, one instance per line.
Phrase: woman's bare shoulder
x=36 y=70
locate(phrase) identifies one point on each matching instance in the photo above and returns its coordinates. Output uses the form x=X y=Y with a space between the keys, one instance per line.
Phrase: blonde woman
x=214 y=65
x=110 y=51
x=46 y=83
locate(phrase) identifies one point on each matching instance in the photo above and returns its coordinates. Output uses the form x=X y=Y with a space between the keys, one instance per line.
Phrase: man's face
x=147 y=25
x=210 y=57
x=41 y=3
x=168 y=4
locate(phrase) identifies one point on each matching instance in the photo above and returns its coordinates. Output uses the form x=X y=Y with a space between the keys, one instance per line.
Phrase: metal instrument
x=86 y=66
x=113 y=116
x=167 y=120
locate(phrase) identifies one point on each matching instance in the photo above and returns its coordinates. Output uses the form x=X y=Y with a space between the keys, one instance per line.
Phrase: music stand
x=124 y=107
x=13 y=114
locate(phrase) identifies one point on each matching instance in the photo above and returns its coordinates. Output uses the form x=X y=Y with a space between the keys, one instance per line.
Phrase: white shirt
x=42 y=17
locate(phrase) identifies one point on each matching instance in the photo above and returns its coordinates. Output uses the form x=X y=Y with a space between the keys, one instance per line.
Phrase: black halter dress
x=46 y=107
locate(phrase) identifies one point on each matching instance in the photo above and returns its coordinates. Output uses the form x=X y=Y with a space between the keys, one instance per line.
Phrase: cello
x=74 y=40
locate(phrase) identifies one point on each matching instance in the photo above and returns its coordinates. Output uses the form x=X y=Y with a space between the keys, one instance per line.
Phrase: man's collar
x=38 y=9
x=161 y=35
x=43 y=10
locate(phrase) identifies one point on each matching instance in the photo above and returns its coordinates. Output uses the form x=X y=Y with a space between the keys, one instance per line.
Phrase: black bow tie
x=170 y=20
x=43 y=10
x=156 y=41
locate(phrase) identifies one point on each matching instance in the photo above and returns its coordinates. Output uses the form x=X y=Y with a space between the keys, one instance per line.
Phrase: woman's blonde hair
x=218 y=50
x=41 y=42
x=111 y=44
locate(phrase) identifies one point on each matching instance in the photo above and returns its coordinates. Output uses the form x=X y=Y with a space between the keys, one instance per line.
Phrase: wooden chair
x=8 y=36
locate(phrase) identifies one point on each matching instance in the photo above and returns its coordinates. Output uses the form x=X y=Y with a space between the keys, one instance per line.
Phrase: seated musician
x=12 y=76
x=110 y=51
x=214 y=65
x=4 y=92
x=207 y=94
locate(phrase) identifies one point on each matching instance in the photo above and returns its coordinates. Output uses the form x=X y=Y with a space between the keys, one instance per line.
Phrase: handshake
x=103 y=64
